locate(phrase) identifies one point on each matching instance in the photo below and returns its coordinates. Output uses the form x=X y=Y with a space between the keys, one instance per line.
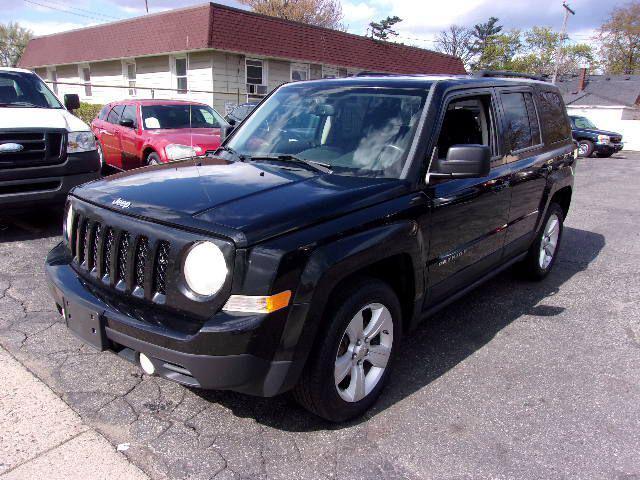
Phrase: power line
x=91 y=12
x=90 y=17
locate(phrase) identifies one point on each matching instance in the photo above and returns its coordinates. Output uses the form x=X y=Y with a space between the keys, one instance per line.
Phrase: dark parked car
x=239 y=113
x=335 y=218
x=593 y=140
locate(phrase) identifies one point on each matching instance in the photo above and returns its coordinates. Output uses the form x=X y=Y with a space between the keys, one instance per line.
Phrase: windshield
x=180 y=116
x=355 y=130
x=583 y=122
x=25 y=90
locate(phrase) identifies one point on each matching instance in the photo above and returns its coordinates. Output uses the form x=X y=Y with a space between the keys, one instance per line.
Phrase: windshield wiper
x=232 y=152
x=317 y=166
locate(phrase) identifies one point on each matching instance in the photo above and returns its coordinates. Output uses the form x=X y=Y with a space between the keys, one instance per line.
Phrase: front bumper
x=25 y=188
x=608 y=148
x=215 y=356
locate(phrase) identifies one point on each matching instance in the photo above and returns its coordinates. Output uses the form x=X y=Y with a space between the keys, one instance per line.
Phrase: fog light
x=147 y=365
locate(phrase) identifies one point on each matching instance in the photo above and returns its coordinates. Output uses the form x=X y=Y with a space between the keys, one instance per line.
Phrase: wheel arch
x=563 y=198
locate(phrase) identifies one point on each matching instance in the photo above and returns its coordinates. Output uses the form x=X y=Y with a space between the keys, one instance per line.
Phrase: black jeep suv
x=338 y=215
x=593 y=140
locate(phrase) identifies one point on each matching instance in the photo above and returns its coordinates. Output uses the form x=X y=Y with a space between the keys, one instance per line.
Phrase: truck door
x=469 y=215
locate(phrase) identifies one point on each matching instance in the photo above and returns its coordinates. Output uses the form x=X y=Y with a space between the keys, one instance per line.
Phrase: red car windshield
x=156 y=117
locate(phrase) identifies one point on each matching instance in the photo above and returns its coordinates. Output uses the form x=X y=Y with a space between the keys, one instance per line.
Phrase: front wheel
x=348 y=368
x=585 y=148
x=153 y=159
x=543 y=252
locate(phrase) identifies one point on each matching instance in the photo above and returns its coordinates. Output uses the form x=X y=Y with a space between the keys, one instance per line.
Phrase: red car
x=134 y=133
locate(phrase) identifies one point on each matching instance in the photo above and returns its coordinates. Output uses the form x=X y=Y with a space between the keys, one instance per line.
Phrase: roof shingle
x=219 y=27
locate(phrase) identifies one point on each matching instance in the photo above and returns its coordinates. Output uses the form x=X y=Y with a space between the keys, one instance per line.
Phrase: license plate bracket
x=85 y=323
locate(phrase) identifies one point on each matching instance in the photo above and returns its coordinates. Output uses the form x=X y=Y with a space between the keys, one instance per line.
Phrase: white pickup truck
x=45 y=151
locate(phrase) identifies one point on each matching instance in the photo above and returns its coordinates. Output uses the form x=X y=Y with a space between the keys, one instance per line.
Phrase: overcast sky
x=422 y=18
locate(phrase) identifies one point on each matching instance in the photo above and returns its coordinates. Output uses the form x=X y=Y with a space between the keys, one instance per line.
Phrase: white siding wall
x=68 y=73
x=611 y=118
x=228 y=76
x=278 y=72
x=106 y=73
x=154 y=72
x=200 y=77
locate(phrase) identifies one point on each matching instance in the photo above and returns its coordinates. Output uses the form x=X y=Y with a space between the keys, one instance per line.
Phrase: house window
x=256 y=78
x=129 y=69
x=53 y=78
x=299 y=71
x=181 y=74
x=85 y=77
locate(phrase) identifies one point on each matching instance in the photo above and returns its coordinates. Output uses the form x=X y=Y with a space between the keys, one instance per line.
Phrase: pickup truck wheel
x=585 y=148
x=542 y=254
x=349 y=366
x=153 y=159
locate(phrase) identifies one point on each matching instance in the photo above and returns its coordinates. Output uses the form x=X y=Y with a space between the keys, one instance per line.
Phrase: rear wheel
x=585 y=148
x=153 y=159
x=348 y=368
x=543 y=252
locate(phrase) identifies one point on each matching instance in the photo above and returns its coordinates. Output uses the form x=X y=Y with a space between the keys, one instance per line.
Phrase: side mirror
x=464 y=161
x=226 y=130
x=231 y=121
x=71 y=101
x=126 y=122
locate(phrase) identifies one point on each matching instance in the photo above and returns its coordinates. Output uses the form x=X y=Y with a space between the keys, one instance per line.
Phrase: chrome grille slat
x=109 y=239
x=94 y=259
x=86 y=244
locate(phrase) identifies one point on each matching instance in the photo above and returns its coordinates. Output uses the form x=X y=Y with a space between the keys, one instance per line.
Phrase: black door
x=528 y=165
x=469 y=216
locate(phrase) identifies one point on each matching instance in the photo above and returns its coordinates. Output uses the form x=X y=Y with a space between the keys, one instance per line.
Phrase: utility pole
x=563 y=33
x=146 y=5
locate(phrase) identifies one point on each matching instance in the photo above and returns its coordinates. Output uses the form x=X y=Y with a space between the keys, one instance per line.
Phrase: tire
x=585 y=148
x=535 y=266
x=318 y=390
x=604 y=155
x=153 y=159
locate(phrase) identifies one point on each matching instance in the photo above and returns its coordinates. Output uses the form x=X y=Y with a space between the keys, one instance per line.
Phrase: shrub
x=87 y=111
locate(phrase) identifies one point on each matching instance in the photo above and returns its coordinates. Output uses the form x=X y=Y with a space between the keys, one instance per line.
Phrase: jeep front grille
x=128 y=262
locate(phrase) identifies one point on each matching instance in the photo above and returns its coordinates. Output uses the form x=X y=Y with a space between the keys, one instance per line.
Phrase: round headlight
x=68 y=222
x=205 y=268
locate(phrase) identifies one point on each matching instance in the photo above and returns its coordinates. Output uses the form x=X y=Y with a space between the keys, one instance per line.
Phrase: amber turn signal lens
x=258 y=304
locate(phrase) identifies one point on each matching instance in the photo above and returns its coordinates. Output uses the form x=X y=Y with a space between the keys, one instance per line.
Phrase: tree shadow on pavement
x=443 y=341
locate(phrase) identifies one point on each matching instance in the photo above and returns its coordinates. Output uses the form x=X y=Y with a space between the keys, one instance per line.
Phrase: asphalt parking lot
x=516 y=380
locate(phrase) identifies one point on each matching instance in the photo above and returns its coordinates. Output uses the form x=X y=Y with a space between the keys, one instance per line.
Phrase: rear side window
x=522 y=129
x=114 y=114
x=553 y=117
x=129 y=113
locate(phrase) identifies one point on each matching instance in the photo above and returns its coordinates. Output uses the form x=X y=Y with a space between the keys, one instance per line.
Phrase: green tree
x=383 y=30
x=500 y=51
x=13 y=41
x=539 y=53
x=619 y=38
x=483 y=36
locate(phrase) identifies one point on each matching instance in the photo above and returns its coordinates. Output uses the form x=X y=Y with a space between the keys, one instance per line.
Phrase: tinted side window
x=114 y=114
x=518 y=133
x=129 y=113
x=553 y=117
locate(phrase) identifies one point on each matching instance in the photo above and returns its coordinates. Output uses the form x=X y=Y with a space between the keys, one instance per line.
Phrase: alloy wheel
x=364 y=352
x=549 y=241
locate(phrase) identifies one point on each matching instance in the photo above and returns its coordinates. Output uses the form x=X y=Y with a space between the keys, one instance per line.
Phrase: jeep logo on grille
x=11 y=148
x=121 y=203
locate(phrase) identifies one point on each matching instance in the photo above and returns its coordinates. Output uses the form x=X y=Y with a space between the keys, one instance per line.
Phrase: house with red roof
x=212 y=53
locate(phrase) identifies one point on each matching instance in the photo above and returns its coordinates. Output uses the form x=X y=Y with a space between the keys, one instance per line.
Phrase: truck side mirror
x=127 y=122
x=226 y=130
x=464 y=161
x=71 y=101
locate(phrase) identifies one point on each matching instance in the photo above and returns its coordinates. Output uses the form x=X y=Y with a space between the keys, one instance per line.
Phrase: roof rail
x=508 y=74
x=376 y=74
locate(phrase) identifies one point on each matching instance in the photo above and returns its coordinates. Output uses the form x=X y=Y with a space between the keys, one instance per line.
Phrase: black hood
x=596 y=131
x=258 y=200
